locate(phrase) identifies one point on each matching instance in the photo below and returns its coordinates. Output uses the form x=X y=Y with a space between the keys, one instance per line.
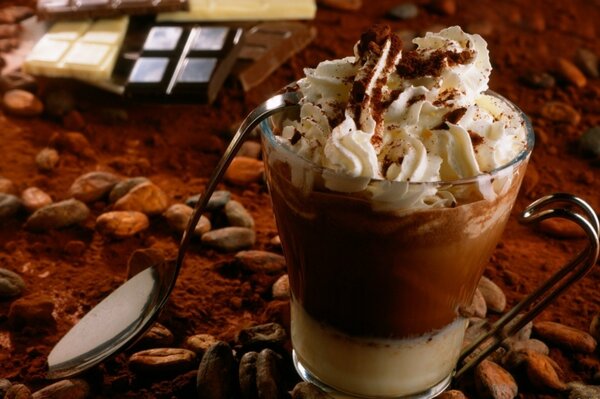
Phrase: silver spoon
x=127 y=313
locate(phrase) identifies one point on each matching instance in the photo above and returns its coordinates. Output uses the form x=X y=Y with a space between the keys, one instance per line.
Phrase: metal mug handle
x=544 y=208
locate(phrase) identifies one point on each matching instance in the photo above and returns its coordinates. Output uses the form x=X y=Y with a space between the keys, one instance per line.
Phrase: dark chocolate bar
x=55 y=9
x=267 y=46
x=182 y=62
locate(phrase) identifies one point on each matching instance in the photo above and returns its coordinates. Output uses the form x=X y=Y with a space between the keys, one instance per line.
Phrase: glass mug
x=379 y=276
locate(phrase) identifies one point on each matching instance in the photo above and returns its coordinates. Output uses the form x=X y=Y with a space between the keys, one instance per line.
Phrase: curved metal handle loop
x=537 y=301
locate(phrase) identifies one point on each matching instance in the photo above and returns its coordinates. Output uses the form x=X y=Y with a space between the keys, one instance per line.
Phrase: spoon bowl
x=126 y=314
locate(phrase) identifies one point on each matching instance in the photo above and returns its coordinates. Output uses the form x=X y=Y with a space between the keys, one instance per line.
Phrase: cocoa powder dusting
x=177 y=147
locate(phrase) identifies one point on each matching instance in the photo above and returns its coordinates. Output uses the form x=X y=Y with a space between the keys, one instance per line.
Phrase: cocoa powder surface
x=177 y=147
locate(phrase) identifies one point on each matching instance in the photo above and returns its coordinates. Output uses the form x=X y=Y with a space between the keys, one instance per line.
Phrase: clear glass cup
x=379 y=276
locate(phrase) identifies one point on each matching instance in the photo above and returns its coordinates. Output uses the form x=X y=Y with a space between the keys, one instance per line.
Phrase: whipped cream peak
x=412 y=116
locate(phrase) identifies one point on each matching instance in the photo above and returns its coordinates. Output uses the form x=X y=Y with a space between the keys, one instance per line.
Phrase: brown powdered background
x=177 y=147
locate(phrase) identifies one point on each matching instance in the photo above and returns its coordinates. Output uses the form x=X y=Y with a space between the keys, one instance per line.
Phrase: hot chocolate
x=381 y=254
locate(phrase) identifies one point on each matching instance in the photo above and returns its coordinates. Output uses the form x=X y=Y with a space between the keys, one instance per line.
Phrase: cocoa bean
x=9 y=205
x=403 y=11
x=515 y=360
x=281 y=288
x=4 y=386
x=452 y=394
x=589 y=142
x=141 y=259
x=57 y=215
x=525 y=332
x=122 y=224
x=7 y=186
x=582 y=391
x=262 y=336
x=217 y=200
x=276 y=240
x=495 y=299
x=588 y=62
x=73 y=142
x=269 y=379
x=477 y=307
x=230 y=239
x=250 y=149
x=47 y=159
x=33 y=311
x=162 y=360
x=306 y=390
x=476 y=327
x=11 y=284
x=178 y=216
x=571 y=73
x=65 y=389
x=247 y=375
x=237 y=215
x=243 y=171
x=22 y=103
x=125 y=186
x=542 y=372
x=534 y=345
x=260 y=261
x=157 y=336
x=147 y=198
x=93 y=186
x=34 y=199
x=540 y=80
x=200 y=343
x=18 y=391
x=15 y=14
x=216 y=377
x=565 y=336
x=493 y=382
x=557 y=111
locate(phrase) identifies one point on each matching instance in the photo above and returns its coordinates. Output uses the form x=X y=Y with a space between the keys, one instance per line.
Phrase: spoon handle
x=273 y=105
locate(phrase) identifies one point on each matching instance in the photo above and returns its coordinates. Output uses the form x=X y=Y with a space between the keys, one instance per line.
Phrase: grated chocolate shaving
x=475 y=138
x=453 y=117
x=414 y=64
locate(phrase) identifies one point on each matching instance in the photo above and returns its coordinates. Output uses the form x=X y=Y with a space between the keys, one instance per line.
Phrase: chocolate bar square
x=194 y=63
x=77 y=9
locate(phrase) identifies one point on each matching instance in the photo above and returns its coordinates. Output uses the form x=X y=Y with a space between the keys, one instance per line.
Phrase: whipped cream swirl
x=408 y=116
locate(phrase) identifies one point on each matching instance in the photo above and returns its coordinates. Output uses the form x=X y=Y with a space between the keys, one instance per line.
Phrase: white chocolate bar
x=240 y=10
x=78 y=49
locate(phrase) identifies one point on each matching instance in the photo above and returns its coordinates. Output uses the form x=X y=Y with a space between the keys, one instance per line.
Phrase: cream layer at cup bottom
x=375 y=367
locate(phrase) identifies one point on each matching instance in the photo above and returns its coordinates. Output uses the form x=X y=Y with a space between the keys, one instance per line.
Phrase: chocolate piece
x=242 y=10
x=63 y=9
x=267 y=46
x=80 y=49
x=183 y=63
